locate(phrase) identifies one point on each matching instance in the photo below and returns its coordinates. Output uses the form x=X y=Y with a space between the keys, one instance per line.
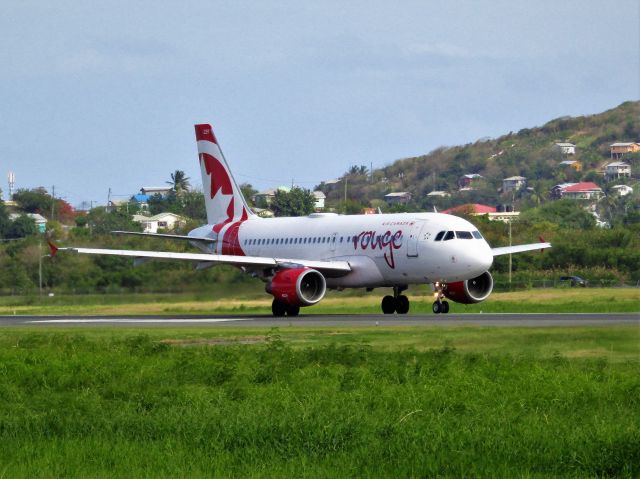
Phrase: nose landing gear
x=398 y=303
x=440 y=305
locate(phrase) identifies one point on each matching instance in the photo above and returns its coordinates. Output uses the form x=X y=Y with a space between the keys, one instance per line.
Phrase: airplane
x=300 y=258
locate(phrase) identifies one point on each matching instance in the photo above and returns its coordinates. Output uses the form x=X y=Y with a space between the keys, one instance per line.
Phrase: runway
x=325 y=321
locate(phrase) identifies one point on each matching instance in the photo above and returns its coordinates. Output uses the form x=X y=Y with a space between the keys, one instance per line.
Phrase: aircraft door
x=414 y=236
x=334 y=240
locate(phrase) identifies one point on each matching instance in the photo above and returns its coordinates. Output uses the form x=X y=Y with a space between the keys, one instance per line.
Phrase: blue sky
x=104 y=95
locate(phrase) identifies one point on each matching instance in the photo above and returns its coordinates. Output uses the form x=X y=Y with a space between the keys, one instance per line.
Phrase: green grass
x=396 y=402
x=255 y=301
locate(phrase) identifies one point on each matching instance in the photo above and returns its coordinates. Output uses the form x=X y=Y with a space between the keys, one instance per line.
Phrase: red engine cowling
x=298 y=286
x=471 y=290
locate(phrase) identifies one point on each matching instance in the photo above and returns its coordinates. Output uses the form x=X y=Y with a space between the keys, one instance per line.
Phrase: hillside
x=529 y=153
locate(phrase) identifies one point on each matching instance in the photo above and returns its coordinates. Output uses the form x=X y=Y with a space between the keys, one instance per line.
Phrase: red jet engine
x=471 y=290
x=298 y=286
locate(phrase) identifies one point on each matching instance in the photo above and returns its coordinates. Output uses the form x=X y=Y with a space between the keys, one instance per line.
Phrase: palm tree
x=179 y=182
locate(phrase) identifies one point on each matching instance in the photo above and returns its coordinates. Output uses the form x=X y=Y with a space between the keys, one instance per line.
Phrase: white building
x=565 y=148
x=440 y=194
x=513 y=183
x=152 y=190
x=164 y=221
x=617 y=169
x=622 y=190
x=319 y=198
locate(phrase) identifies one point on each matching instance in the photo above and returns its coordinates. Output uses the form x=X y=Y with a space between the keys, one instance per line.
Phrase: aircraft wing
x=201 y=259
x=519 y=248
x=167 y=236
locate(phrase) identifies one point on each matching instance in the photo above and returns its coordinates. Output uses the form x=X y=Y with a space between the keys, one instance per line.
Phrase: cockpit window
x=440 y=235
x=477 y=235
x=464 y=235
x=449 y=236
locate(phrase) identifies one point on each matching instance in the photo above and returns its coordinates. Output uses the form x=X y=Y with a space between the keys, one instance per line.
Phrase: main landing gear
x=440 y=305
x=398 y=303
x=279 y=309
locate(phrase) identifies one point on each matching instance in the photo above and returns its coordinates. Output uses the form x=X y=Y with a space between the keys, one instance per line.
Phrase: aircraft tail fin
x=223 y=199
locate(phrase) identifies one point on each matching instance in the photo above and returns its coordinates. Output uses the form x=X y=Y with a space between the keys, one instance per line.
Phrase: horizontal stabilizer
x=519 y=248
x=166 y=236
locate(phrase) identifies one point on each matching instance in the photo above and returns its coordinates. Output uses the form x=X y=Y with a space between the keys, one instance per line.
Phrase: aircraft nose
x=479 y=259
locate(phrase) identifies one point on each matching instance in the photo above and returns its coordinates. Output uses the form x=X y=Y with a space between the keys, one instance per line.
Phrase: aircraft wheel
x=278 y=308
x=436 y=307
x=388 y=305
x=445 y=307
x=402 y=304
x=293 y=310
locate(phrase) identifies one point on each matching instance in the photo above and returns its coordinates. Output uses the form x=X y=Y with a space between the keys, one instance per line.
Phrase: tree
x=248 y=191
x=103 y=222
x=568 y=213
x=65 y=213
x=34 y=201
x=22 y=227
x=297 y=202
x=179 y=182
x=5 y=222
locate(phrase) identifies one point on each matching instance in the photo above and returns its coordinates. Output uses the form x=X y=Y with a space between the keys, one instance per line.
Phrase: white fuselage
x=383 y=250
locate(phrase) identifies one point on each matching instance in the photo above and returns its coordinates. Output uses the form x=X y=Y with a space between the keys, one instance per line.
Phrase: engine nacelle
x=298 y=286
x=471 y=290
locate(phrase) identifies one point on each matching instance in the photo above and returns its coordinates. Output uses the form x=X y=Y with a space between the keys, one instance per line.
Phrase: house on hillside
x=565 y=148
x=577 y=191
x=141 y=200
x=438 y=194
x=398 y=198
x=575 y=164
x=477 y=209
x=467 y=181
x=471 y=208
x=616 y=170
x=319 y=198
x=620 y=148
x=513 y=183
x=266 y=197
x=38 y=219
x=164 y=221
x=156 y=190
x=622 y=190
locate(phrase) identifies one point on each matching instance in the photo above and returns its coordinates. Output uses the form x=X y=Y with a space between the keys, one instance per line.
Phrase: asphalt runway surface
x=312 y=321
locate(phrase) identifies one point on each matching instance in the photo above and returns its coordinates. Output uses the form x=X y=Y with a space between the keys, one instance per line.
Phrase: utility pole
x=346 y=182
x=53 y=202
x=109 y=200
x=509 y=253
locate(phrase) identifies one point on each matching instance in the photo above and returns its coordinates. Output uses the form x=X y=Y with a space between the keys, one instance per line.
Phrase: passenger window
x=449 y=236
x=440 y=235
x=477 y=235
x=463 y=235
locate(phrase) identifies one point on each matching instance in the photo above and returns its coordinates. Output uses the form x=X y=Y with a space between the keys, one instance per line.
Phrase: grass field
x=396 y=402
x=255 y=301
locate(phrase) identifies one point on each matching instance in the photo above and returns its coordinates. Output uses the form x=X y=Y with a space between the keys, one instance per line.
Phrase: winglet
x=53 y=248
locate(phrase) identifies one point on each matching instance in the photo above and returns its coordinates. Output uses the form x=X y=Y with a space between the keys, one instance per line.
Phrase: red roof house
x=582 y=191
x=471 y=208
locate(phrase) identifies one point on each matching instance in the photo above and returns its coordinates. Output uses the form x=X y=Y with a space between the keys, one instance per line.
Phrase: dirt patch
x=185 y=343
x=587 y=353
